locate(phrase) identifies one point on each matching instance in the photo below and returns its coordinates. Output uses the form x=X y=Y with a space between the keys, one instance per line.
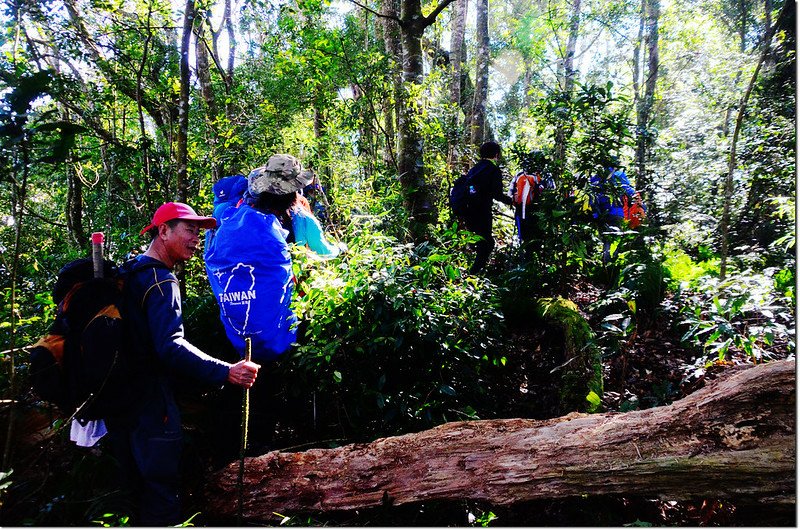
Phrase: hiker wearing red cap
x=147 y=442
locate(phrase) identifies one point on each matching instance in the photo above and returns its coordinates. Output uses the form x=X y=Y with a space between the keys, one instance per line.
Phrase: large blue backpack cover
x=250 y=271
x=606 y=200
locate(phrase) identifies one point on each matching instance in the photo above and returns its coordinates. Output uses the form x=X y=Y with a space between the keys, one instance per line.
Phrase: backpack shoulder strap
x=132 y=267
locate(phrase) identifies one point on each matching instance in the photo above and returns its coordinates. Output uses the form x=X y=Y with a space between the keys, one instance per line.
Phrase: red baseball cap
x=178 y=210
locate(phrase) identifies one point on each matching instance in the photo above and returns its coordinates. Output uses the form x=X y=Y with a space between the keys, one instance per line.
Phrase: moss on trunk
x=581 y=371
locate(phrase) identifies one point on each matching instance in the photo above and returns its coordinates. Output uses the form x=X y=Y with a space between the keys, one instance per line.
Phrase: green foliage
x=743 y=312
x=109 y=520
x=684 y=271
x=484 y=519
x=398 y=338
x=6 y=480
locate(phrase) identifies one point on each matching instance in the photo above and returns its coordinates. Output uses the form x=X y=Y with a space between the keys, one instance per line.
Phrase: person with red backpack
x=526 y=189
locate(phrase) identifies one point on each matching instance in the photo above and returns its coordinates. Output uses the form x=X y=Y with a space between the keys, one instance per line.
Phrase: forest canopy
x=109 y=108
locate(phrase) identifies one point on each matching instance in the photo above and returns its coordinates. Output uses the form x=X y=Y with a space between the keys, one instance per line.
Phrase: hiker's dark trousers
x=482 y=226
x=148 y=449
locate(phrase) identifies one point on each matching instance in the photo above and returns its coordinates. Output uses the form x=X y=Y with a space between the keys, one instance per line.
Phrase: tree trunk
x=733 y=439
x=769 y=62
x=418 y=194
x=203 y=69
x=75 y=207
x=567 y=81
x=637 y=55
x=228 y=77
x=391 y=105
x=181 y=143
x=365 y=133
x=644 y=110
x=412 y=170
x=741 y=31
x=477 y=122
x=572 y=42
x=456 y=51
x=527 y=82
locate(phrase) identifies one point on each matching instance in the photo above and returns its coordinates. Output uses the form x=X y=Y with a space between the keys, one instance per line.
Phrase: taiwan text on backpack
x=250 y=271
x=84 y=364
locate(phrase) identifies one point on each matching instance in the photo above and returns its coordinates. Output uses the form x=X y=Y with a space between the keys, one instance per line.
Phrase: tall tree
x=477 y=122
x=390 y=9
x=724 y=224
x=644 y=110
x=637 y=54
x=737 y=16
x=566 y=80
x=418 y=194
x=456 y=61
x=182 y=147
x=203 y=69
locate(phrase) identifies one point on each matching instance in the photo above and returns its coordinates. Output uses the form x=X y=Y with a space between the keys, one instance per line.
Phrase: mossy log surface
x=733 y=439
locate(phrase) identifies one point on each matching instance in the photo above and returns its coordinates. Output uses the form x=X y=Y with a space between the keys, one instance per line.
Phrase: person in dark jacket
x=486 y=185
x=147 y=440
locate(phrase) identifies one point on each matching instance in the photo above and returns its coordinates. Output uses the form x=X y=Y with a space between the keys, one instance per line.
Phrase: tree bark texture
x=418 y=194
x=203 y=69
x=566 y=75
x=645 y=107
x=181 y=148
x=477 y=122
x=391 y=105
x=456 y=51
x=75 y=207
x=637 y=55
x=734 y=439
x=572 y=42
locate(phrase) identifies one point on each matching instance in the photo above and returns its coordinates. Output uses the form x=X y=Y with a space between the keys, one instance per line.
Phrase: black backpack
x=462 y=196
x=87 y=365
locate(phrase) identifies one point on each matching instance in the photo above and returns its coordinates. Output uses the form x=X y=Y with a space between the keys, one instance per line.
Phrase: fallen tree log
x=734 y=439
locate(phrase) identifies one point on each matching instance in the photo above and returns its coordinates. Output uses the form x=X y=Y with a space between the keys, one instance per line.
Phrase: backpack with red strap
x=527 y=190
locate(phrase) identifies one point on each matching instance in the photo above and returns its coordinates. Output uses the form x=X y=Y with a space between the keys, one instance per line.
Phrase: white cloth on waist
x=88 y=433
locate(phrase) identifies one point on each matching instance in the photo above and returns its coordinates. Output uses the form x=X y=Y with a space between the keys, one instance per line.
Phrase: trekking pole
x=248 y=353
x=97 y=253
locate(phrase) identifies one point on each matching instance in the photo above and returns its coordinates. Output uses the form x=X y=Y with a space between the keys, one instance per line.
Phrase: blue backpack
x=250 y=271
x=607 y=192
x=228 y=191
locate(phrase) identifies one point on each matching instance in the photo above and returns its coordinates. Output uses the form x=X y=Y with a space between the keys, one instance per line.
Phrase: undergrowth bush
x=398 y=337
x=742 y=312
